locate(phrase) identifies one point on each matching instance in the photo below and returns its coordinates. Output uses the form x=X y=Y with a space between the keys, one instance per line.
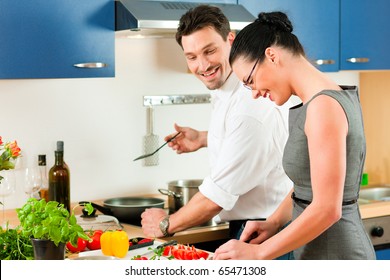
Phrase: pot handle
x=169 y=193
x=104 y=210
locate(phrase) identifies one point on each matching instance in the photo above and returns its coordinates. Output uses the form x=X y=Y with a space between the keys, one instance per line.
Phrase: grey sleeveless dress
x=347 y=239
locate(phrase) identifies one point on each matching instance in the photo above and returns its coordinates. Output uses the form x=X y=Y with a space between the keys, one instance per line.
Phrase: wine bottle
x=59 y=178
x=44 y=191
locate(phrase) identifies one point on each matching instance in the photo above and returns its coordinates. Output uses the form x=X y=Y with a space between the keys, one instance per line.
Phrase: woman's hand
x=255 y=232
x=237 y=250
x=189 y=140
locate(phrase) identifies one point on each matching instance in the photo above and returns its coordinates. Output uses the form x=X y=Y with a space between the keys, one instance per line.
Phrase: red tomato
x=192 y=256
x=167 y=251
x=202 y=254
x=179 y=254
x=141 y=258
x=95 y=243
x=81 y=245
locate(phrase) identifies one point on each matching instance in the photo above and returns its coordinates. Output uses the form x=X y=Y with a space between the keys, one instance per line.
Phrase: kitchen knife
x=151 y=250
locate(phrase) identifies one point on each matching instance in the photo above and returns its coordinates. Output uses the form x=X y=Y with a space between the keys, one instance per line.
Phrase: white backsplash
x=102 y=122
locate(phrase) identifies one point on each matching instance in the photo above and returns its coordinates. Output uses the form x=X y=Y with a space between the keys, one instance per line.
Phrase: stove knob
x=377 y=231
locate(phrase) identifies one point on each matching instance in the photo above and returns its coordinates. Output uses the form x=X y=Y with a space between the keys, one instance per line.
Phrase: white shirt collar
x=227 y=89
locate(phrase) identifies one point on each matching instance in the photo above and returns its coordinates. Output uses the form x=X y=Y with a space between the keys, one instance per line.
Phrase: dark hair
x=267 y=30
x=202 y=16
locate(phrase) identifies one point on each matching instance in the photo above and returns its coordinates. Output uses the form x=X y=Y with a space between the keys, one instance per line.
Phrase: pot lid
x=98 y=222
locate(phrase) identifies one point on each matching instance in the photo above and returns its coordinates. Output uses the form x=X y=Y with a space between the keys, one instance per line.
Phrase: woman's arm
x=326 y=129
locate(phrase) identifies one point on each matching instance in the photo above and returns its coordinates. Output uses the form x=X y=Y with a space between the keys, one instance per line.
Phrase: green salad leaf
x=15 y=246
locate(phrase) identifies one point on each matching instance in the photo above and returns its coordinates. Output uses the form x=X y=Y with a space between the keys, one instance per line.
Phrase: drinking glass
x=7 y=187
x=32 y=181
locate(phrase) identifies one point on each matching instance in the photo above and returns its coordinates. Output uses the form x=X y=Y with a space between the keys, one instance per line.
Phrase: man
x=246 y=137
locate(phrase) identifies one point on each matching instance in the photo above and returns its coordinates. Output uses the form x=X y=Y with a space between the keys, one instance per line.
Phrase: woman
x=324 y=155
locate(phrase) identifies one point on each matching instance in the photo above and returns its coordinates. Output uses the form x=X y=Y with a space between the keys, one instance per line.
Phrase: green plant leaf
x=50 y=221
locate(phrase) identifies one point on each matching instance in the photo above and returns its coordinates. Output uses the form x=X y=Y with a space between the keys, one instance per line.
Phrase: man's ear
x=231 y=37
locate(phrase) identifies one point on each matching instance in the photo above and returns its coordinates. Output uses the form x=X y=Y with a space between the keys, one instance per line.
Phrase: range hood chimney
x=163 y=17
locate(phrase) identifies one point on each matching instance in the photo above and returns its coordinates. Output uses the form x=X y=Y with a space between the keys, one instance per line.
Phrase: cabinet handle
x=324 y=61
x=90 y=65
x=358 y=59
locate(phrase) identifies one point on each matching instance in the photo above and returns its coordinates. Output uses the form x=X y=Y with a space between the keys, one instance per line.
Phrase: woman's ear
x=272 y=55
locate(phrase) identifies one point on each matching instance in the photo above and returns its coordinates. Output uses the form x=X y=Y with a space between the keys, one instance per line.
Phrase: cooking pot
x=179 y=192
x=127 y=209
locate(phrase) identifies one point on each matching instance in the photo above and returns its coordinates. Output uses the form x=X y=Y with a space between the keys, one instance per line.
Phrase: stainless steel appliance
x=378 y=229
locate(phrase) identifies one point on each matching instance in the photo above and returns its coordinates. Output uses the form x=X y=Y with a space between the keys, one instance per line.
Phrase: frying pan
x=127 y=209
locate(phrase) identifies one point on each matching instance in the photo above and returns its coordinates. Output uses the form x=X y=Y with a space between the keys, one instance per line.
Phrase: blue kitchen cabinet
x=316 y=24
x=57 y=39
x=365 y=34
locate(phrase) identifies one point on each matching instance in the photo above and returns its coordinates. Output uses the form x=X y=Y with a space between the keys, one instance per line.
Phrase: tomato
x=167 y=251
x=202 y=254
x=95 y=243
x=179 y=254
x=140 y=258
x=182 y=252
x=81 y=245
x=191 y=255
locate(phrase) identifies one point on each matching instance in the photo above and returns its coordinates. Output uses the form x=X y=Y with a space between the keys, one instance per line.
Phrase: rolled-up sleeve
x=247 y=154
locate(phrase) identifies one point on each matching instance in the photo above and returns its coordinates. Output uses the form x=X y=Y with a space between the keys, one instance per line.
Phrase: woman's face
x=266 y=79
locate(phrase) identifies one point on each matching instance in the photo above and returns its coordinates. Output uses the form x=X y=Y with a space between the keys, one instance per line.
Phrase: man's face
x=207 y=56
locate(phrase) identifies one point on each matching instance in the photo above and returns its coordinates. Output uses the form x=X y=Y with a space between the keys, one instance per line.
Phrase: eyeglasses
x=246 y=83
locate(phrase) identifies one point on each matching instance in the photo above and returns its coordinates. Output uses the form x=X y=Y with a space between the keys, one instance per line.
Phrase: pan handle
x=169 y=193
x=104 y=210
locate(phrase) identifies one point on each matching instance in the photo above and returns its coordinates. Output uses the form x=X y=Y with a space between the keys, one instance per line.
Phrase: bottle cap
x=60 y=146
x=41 y=160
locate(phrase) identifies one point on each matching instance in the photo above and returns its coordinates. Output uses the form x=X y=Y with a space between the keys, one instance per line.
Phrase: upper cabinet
x=57 y=39
x=316 y=24
x=337 y=34
x=365 y=34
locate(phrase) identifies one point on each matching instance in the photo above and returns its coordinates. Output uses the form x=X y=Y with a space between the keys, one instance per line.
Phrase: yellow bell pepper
x=114 y=243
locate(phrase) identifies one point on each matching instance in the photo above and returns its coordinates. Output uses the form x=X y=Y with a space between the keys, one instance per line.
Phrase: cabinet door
x=49 y=39
x=365 y=34
x=316 y=24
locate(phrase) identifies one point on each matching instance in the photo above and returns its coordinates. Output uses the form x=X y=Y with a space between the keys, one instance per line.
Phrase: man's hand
x=190 y=140
x=150 y=222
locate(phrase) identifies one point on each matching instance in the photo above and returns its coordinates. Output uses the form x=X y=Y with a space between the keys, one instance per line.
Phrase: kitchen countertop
x=216 y=232
x=189 y=236
x=376 y=209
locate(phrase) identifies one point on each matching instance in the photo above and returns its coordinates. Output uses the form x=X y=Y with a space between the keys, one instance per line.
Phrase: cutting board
x=129 y=256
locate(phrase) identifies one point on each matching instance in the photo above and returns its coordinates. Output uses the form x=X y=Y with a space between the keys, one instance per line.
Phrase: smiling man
x=246 y=137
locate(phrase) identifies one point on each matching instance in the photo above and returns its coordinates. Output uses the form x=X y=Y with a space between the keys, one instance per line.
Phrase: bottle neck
x=59 y=157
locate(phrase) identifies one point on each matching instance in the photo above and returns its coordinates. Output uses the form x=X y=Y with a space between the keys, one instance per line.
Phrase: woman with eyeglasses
x=324 y=154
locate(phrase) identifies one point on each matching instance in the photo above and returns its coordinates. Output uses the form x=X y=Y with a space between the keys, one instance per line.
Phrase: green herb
x=50 y=221
x=158 y=254
x=14 y=246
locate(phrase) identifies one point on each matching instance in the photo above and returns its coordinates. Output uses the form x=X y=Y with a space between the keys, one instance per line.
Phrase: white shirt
x=246 y=139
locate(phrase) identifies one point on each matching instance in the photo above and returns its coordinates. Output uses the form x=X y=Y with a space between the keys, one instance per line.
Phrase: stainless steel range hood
x=163 y=17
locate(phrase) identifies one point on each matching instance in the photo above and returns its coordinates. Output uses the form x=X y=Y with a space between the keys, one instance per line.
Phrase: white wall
x=102 y=122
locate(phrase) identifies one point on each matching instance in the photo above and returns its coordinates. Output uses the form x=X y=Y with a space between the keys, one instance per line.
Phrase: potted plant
x=50 y=226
